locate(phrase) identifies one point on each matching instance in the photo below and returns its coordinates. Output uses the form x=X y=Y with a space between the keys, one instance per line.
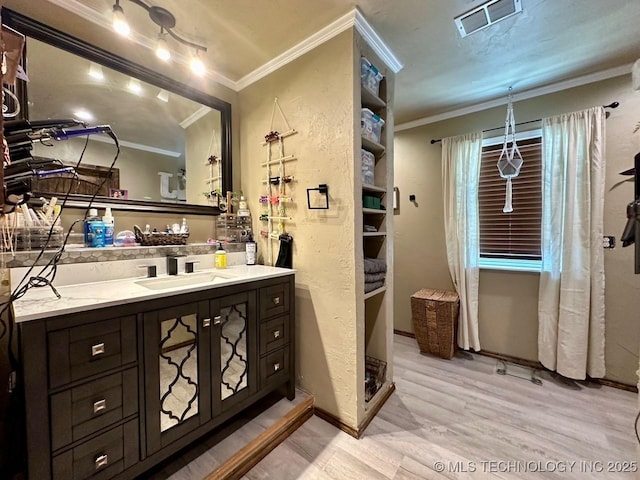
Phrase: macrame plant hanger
x=510 y=160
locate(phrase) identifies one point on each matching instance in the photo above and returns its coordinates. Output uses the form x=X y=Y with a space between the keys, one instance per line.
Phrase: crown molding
x=321 y=36
x=194 y=117
x=376 y=43
x=533 y=93
x=351 y=19
x=97 y=18
x=137 y=146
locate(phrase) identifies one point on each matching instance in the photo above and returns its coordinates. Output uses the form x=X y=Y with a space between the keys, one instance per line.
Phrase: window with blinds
x=513 y=236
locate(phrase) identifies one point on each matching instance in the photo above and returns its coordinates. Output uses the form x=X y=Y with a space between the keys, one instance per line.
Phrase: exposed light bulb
x=162 y=49
x=120 y=24
x=197 y=66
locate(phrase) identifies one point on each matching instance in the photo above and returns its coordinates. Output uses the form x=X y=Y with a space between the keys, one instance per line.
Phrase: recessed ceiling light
x=134 y=86
x=163 y=96
x=82 y=114
x=486 y=15
x=95 y=71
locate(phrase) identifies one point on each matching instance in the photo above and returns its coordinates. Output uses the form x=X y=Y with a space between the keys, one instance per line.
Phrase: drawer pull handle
x=101 y=461
x=276 y=367
x=276 y=334
x=217 y=319
x=206 y=322
x=276 y=300
x=99 y=406
x=97 y=349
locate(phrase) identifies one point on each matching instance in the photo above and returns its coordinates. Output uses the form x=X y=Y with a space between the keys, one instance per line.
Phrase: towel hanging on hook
x=510 y=160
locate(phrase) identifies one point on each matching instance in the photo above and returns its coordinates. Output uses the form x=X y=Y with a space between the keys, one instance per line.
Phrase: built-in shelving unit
x=377 y=304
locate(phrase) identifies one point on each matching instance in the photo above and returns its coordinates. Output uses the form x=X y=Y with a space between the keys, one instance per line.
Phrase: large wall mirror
x=175 y=141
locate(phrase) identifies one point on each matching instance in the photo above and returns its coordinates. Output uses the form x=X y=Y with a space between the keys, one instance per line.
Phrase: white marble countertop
x=42 y=303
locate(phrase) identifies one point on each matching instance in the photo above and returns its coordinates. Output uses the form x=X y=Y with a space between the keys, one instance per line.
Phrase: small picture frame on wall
x=119 y=193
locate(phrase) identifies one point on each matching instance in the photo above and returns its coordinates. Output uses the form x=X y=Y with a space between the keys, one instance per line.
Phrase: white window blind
x=515 y=235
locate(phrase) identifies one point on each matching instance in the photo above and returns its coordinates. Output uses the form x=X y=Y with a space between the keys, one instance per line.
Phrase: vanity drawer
x=88 y=408
x=79 y=352
x=274 y=368
x=274 y=334
x=100 y=458
x=274 y=300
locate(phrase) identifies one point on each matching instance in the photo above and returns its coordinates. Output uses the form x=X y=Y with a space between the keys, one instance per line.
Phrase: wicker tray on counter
x=159 y=238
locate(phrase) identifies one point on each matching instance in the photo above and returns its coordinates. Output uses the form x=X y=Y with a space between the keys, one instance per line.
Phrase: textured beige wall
x=316 y=95
x=508 y=300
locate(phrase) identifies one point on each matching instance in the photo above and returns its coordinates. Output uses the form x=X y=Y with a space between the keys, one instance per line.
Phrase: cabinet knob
x=99 y=406
x=217 y=319
x=276 y=367
x=97 y=349
x=276 y=334
x=101 y=461
x=206 y=322
x=276 y=300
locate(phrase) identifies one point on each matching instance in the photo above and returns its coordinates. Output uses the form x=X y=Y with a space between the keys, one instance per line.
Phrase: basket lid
x=436 y=294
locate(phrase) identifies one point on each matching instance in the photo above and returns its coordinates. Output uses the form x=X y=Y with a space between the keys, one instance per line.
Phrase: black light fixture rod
x=165 y=19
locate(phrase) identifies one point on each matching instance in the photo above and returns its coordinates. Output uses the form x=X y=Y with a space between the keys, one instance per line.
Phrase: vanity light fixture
x=197 y=67
x=120 y=24
x=166 y=21
x=162 y=48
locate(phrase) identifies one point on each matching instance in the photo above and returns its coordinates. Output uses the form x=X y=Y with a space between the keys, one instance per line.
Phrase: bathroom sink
x=173 y=281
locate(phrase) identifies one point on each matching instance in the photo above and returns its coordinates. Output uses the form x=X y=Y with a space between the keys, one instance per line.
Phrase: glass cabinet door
x=235 y=318
x=176 y=362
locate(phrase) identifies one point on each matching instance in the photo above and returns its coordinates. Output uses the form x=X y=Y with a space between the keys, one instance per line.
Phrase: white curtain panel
x=571 y=299
x=460 y=175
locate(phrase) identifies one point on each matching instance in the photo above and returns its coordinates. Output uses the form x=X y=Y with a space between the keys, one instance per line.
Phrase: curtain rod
x=611 y=105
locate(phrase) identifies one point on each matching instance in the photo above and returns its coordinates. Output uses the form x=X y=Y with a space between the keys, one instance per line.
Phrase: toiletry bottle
x=220 y=257
x=96 y=233
x=250 y=251
x=92 y=217
x=109 y=224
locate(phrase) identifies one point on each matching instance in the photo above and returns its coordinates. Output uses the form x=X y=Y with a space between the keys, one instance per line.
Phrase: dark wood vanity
x=111 y=392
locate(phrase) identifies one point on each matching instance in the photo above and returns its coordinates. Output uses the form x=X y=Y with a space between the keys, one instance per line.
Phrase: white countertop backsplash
x=87 y=286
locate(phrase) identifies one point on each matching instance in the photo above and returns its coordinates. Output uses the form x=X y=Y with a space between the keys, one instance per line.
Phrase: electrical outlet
x=608 y=242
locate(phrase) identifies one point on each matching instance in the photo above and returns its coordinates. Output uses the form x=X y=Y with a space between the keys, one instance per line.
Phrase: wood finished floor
x=462 y=413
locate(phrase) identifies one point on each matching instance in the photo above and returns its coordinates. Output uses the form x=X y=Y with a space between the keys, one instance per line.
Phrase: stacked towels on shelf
x=375 y=270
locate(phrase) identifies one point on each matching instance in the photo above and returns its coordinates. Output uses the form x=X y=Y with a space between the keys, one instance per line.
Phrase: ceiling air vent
x=486 y=15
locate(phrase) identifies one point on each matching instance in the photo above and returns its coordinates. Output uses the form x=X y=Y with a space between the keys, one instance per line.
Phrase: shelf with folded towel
x=373 y=188
x=374 y=211
x=375 y=292
x=374 y=234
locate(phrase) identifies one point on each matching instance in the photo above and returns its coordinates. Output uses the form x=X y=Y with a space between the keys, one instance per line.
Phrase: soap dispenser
x=220 y=257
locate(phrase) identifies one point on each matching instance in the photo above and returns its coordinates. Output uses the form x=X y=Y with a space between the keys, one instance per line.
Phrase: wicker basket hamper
x=435 y=321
